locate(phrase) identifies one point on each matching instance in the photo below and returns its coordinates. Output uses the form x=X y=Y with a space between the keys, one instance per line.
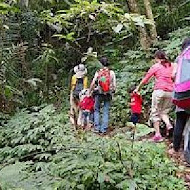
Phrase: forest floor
x=39 y=172
x=177 y=158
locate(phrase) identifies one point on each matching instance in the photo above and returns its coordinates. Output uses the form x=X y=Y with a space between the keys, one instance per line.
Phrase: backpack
x=78 y=88
x=181 y=96
x=104 y=80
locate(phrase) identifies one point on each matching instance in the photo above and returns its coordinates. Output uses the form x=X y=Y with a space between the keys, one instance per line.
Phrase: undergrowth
x=39 y=150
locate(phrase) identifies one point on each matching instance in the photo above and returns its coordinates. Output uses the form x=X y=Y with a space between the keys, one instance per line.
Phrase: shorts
x=161 y=104
x=135 y=118
x=87 y=117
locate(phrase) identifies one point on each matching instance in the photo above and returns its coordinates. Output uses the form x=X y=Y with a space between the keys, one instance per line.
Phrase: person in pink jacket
x=162 y=71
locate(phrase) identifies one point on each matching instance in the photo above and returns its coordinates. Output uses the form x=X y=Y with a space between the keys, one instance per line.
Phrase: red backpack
x=104 y=80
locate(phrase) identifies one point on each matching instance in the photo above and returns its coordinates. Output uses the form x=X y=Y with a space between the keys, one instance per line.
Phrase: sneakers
x=157 y=138
x=99 y=132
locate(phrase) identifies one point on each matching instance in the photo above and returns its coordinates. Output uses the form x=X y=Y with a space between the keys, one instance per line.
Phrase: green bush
x=44 y=152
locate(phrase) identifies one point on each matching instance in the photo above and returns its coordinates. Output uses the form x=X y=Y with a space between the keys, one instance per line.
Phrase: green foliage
x=85 y=21
x=29 y=133
x=69 y=28
x=6 y=8
x=52 y=155
x=29 y=27
x=15 y=177
x=170 y=15
x=40 y=45
x=105 y=169
x=173 y=45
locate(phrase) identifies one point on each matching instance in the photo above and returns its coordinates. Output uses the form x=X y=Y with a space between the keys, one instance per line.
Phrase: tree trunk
x=24 y=3
x=144 y=41
x=150 y=16
x=21 y=52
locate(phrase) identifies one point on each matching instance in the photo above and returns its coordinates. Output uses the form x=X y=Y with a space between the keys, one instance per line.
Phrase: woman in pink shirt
x=162 y=71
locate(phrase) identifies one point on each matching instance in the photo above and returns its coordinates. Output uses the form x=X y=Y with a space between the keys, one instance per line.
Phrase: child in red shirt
x=136 y=106
x=86 y=104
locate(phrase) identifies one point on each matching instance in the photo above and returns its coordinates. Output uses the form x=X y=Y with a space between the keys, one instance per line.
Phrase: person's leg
x=72 y=115
x=166 y=120
x=91 y=118
x=155 y=114
x=165 y=108
x=157 y=128
x=73 y=110
x=79 y=120
x=105 y=118
x=181 y=120
x=97 y=113
x=87 y=119
x=135 y=118
x=82 y=118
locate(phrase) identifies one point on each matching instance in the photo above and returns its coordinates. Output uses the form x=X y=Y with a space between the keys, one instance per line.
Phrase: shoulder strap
x=103 y=69
x=73 y=81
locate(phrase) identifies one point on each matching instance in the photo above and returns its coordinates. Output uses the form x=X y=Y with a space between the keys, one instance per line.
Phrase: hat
x=80 y=71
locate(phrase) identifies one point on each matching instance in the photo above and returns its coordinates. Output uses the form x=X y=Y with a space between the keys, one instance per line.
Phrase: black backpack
x=78 y=88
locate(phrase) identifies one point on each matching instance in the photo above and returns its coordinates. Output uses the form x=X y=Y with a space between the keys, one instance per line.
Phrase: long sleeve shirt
x=163 y=77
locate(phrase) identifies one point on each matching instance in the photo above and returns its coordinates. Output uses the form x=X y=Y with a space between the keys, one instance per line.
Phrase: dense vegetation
x=43 y=152
x=40 y=42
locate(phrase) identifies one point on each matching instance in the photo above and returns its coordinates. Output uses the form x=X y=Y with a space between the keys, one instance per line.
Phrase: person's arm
x=92 y=85
x=139 y=86
x=174 y=65
x=148 y=76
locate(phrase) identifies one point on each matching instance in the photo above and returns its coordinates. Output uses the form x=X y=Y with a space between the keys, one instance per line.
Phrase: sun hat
x=80 y=70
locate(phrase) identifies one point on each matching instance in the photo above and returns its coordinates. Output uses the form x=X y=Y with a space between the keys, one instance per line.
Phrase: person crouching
x=86 y=105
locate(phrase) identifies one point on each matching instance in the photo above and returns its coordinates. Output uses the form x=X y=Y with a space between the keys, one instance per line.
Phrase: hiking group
x=87 y=102
x=172 y=87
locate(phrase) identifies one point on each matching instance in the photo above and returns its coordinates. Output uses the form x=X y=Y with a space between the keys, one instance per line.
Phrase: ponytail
x=163 y=57
x=166 y=63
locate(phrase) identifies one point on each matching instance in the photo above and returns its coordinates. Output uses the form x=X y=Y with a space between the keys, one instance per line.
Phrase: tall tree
x=150 y=16
x=144 y=41
x=24 y=3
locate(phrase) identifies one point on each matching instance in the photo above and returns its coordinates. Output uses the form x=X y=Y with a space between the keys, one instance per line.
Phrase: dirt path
x=178 y=159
